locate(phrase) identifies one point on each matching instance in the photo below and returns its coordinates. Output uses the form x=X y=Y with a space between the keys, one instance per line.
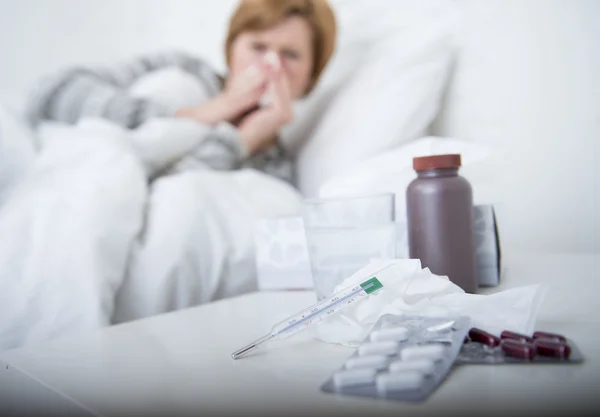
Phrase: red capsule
x=547 y=347
x=484 y=337
x=556 y=337
x=515 y=336
x=518 y=349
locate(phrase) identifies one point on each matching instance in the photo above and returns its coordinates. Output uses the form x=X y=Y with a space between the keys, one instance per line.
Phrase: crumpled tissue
x=410 y=290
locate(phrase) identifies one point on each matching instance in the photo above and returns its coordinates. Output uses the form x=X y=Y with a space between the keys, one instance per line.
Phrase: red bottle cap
x=423 y=163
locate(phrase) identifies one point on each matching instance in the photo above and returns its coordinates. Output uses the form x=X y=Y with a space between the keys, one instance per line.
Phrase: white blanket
x=87 y=240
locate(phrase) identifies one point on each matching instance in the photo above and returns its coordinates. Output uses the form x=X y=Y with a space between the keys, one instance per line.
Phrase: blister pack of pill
x=541 y=347
x=403 y=358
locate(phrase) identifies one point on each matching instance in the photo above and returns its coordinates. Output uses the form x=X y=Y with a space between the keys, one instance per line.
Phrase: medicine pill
x=547 y=347
x=399 y=382
x=518 y=349
x=544 y=335
x=484 y=337
x=432 y=352
x=354 y=377
x=506 y=334
x=373 y=361
x=395 y=334
x=378 y=348
x=425 y=366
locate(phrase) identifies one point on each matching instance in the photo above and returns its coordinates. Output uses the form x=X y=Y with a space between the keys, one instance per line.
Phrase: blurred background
x=524 y=79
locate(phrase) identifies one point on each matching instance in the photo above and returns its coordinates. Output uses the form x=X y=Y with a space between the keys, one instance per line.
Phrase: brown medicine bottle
x=439 y=205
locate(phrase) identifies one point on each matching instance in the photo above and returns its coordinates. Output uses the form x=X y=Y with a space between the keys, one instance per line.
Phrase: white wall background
x=527 y=81
x=38 y=36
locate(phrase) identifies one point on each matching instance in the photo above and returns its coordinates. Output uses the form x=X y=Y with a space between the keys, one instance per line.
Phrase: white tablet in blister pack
x=403 y=358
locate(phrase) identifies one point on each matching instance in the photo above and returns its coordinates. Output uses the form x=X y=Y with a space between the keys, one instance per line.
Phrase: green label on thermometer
x=371 y=285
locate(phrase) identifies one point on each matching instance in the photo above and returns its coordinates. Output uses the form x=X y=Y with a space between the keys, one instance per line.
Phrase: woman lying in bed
x=275 y=50
x=88 y=241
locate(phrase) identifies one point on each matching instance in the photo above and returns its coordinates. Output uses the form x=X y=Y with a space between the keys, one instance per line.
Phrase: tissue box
x=487 y=246
x=282 y=259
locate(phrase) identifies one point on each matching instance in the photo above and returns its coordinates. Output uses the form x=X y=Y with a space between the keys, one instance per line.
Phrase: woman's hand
x=241 y=94
x=259 y=129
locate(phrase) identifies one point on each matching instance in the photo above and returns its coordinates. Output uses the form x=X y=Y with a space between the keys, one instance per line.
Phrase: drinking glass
x=344 y=234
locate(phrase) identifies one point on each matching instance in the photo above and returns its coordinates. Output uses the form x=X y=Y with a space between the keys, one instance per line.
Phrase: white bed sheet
x=88 y=241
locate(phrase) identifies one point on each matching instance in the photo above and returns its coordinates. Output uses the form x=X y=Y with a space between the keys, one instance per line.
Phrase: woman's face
x=290 y=39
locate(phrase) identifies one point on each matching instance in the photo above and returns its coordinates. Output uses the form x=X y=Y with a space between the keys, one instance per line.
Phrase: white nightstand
x=180 y=363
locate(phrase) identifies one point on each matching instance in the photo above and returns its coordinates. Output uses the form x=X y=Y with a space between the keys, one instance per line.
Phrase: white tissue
x=271 y=59
x=408 y=289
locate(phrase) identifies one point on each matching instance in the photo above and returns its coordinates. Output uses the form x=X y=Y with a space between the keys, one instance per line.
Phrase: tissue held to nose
x=251 y=77
x=271 y=59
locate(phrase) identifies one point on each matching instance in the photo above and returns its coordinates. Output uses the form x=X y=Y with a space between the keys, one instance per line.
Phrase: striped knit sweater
x=103 y=92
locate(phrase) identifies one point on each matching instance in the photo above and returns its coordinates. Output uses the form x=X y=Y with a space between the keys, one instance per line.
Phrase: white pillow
x=393 y=171
x=383 y=86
